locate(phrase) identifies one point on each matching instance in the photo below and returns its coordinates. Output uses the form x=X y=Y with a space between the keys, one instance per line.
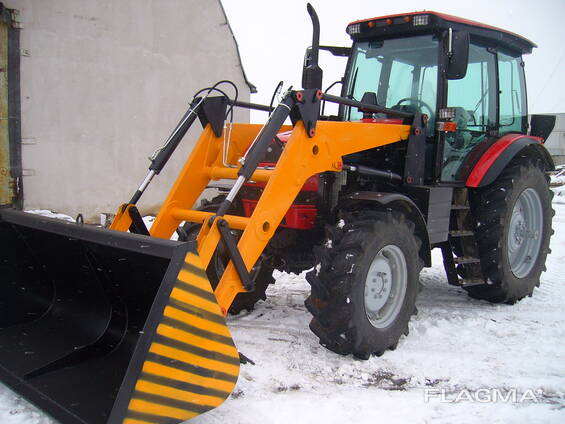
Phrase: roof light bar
x=447 y=113
x=354 y=29
x=421 y=20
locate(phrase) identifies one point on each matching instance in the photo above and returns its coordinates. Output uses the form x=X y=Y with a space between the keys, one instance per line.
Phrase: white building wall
x=103 y=83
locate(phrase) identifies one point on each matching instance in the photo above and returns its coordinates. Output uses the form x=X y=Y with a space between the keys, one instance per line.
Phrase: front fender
x=404 y=204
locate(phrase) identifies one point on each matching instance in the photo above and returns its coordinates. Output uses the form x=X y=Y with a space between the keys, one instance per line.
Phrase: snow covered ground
x=558 y=183
x=456 y=347
x=465 y=361
x=558 y=178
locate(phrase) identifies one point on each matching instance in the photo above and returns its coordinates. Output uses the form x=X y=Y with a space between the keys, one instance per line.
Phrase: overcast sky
x=272 y=36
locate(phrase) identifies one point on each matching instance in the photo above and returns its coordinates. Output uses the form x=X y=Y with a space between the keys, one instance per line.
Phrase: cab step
x=455 y=207
x=460 y=250
x=462 y=260
x=469 y=282
x=461 y=233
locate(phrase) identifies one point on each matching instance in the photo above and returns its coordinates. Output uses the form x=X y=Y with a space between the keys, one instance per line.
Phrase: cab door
x=472 y=100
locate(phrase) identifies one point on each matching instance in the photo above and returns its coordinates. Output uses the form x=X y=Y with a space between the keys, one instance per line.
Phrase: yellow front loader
x=307 y=152
x=118 y=327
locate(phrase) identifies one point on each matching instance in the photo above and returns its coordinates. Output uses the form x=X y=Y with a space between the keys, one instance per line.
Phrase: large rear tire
x=261 y=273
x=513 y=217
x=365 y=285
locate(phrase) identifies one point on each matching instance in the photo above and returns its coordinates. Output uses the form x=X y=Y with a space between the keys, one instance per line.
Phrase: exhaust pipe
x=312 y=73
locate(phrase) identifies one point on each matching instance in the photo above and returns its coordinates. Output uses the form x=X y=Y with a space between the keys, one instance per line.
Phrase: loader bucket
x=101 y=326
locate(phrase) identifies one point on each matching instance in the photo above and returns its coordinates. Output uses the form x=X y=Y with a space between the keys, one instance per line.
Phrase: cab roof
x=426 y=21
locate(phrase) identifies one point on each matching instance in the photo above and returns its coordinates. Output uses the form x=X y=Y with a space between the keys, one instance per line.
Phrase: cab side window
x=512 y=95
x=474 y=94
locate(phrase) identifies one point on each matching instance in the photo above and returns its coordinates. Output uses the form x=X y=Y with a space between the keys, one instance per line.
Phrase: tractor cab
x=467 y=77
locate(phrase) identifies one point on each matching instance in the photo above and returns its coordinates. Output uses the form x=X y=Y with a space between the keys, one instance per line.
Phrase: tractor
x=431 y=147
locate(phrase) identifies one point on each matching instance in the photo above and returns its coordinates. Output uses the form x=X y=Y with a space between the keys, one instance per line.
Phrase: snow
x=148 y=221
x=558 y=178
x=559 y=197
x=558 y=184
x=51 y=214
x=456 y=345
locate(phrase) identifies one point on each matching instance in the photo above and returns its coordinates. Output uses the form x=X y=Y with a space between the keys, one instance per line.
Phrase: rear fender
x=402 y=203
x=499 y=155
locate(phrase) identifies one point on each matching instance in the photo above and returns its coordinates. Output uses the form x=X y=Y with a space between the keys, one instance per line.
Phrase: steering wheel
x=418 y=102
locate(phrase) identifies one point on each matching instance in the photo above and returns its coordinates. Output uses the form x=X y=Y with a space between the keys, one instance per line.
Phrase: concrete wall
x=103 y=83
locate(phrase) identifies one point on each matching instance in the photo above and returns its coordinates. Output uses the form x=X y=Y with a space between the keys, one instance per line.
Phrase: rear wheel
x=261 y=273
x=513 y=216
x=365 y=285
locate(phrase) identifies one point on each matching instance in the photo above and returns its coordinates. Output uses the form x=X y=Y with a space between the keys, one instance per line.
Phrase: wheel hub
x=526 y=225
x=385 y=286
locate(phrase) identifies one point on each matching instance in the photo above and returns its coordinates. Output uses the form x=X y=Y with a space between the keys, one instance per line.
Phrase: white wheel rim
x=525 y=233
x=385 y=286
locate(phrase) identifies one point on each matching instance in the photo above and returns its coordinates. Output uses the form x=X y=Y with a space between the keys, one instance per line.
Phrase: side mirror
x=458 y=54
x=542 y=125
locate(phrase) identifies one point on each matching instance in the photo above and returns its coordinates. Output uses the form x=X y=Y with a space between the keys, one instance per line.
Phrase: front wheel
x=365 y=285
x=513 y=217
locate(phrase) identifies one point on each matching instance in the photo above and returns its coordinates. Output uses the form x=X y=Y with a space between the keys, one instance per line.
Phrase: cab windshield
x=401 y=72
